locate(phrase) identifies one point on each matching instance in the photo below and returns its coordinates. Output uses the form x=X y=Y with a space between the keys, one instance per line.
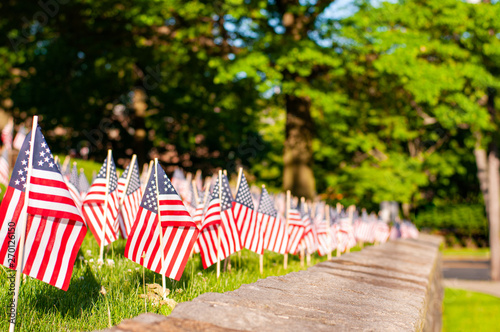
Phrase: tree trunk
x=298 y=176
x=139 y=106
x=494 y=211
x=482 y=173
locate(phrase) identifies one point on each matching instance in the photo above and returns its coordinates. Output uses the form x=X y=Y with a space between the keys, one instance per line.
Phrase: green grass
x=470 y=311
x=478 y=252
x=45 y=308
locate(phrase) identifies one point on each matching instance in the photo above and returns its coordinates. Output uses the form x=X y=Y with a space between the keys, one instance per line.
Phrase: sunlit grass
x=46 y=308
x=470 y=311
x=475 y=252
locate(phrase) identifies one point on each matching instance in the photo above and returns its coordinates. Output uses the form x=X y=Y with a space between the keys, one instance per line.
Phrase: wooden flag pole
x=103 y=233
x=129 y=176
x=287 y=211
x=23 y=221
x=218 y=227
x=158 y=225
x=328 y=231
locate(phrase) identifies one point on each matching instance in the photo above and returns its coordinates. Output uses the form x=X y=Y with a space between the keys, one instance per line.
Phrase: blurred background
x=361 y=102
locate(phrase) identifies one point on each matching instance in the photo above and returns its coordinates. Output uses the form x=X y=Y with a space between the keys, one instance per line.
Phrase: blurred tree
x=435 y=62
x=132 y=75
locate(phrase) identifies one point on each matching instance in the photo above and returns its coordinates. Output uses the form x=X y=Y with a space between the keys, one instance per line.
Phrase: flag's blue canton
x=42 y=158
x=113 y=178
x=165 y=187
x=243 y=195
x=266 y=204
x=20 y=171
x=5 y=155
x=83 y=184
x=73 y=178
x=227 y=198
x=135 y=181
x=149 y=200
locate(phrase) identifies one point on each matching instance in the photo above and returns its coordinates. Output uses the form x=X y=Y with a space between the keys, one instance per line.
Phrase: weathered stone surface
x=391 y=287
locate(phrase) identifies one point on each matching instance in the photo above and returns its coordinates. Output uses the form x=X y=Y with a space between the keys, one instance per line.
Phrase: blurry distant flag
x=54 y=228
x=83 y=184
x=73 y=186
x=19 y=139
x=246 y=218
x=166 y=214
x=219 y=218
x=4 y=167
x=296 y=229
x=273 y=227
x=180 y=183
x=7 y=133
x=310 y=236
x=93 y=205
x=129 y=192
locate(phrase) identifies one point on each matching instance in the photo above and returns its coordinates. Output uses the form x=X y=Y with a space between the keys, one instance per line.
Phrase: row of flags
x=47 y=210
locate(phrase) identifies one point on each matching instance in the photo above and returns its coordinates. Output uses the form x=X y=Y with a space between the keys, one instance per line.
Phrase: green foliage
x=465 y=221
x=398 y=92
x=470 y=311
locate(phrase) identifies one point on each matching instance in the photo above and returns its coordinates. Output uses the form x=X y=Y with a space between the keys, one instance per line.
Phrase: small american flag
x=7 y=133
x=93 y=205
x=272 y=225
x=19 y=139
x=73 y=186
x=246 y=218
x=83 y=184
x=180 y=184
x=129 y=200
x=55 y=228
x=4 y=167
x=179 y=232
x=219 y=212
x=296 y=230
x=382 y=232
x=310 y=235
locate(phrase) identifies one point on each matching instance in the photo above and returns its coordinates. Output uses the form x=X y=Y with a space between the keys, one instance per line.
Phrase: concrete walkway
x=469 y=273
x=481 y=286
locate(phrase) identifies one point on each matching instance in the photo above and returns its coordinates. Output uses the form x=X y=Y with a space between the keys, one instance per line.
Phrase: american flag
x=346 y=233
x=93 y=205
x=179 y=232
x=83 y=184
x=7 y=133
x=310 y=234
x=382 y=232
x=19 y=139
x=73 y=186
x=219 y=218
x=296 y=230
x=180 y=183
x=54 y=229
x=246 y=218
x=272 y=225
x=129 y=200
x=4 y=167
x=325 y=243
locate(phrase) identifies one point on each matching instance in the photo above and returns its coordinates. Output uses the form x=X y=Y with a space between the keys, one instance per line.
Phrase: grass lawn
x=45 y=308
x=470 y=311
x=478 y=252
